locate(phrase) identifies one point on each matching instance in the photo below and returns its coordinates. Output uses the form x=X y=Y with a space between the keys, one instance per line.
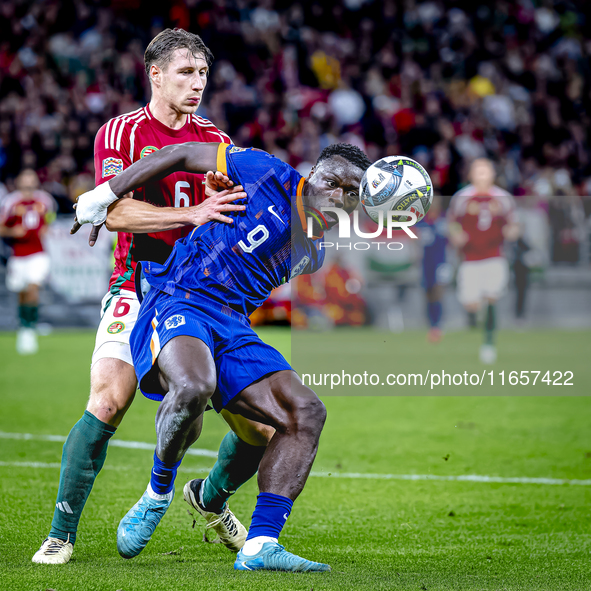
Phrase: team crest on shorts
x=174 y=321
x=115 y=327
x=112 y=166
x=148 y=150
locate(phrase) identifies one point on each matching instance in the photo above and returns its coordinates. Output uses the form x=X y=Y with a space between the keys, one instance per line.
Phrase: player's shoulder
x=205 y=128
x=503 y=197
x=9 y=202
x=460 y=198
x=121 y=126
x=45 y=198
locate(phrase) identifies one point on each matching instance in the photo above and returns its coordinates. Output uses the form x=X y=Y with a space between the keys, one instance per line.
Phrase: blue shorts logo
x=174 y=321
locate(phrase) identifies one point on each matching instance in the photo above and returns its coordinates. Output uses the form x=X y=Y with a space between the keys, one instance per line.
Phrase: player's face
x=482 y=174
x=182 y=81
x=27 y=182
x=333 y=183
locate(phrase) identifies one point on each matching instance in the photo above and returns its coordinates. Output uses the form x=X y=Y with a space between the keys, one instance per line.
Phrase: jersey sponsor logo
x=148 y=150
x=112 y=166
x=299 y=268
x=174 y=321
x=115 y=327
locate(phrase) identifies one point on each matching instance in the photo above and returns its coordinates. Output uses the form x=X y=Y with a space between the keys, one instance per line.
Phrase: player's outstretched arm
x=139 y=217
x=126 y=215
x=193 y=157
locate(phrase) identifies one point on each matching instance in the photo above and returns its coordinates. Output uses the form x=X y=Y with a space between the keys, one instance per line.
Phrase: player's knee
x=109 y=403
x=308 y=413
x=191 y=395
x=112 y=389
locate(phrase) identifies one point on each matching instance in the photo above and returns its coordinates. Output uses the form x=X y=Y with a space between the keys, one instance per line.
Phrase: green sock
x=28 y=315
x=490 y=325
x=237 y=462
x=23 y=315
x=33 y=315
x=83 y=457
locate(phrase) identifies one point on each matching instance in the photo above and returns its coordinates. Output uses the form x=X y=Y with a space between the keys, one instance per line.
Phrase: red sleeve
x=111 y=150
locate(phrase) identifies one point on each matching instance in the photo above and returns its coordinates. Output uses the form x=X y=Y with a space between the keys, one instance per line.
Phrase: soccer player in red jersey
x=177 y=64
x=482 y=217
x=24 y=216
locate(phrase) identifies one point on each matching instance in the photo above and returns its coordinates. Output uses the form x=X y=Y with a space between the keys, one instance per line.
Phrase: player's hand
x=91 y=207
x=216 y=182
x=93 y=236
x=18 y=231
x=213 y=208
x=511 y=232
x=458 y=239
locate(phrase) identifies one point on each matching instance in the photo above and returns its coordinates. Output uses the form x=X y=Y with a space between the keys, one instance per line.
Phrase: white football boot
x=488 y=354
x=26 y=341
x=229 y=529
x=54 y=551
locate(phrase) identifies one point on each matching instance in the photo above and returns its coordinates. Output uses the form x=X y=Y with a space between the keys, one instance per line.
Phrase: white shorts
x=118 y=317
x=480 y=280
x=24 y=271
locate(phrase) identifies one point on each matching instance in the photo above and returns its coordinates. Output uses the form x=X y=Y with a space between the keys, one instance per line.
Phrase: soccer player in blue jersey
x=436 y=271
x=193 y=343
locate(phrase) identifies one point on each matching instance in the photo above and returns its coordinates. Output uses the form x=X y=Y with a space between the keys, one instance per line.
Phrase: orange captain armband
x=222 y=165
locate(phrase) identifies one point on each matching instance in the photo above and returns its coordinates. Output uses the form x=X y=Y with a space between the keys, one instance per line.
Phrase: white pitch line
x=351 y=475
x=107 y=467
x=114 y=443
x=458 y=478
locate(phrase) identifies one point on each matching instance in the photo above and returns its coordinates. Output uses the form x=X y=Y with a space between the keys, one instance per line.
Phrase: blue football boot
x=273 y=556
x=136 y=528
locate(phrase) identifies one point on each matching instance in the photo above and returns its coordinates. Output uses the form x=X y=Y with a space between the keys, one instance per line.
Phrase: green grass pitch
x=376 y=534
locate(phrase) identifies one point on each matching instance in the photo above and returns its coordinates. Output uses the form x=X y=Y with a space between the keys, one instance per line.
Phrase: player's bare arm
x=17 y=231
x=129 y=215
x=511 y=231
x=192 y=157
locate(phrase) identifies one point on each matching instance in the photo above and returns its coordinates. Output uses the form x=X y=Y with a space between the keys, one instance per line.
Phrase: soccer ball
x=396 y=183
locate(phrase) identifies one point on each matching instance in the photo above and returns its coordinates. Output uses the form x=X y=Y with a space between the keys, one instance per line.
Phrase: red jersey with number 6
x=482 y=217
x=126 y=139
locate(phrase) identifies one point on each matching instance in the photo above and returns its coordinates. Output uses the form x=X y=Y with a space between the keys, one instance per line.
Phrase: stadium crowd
x=441 y=81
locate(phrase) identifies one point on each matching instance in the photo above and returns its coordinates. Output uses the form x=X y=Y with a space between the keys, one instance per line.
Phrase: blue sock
x=434 y=312
x=163 y=476
x=270 y=514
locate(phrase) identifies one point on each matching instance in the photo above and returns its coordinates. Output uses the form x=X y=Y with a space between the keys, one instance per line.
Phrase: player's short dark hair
x=347 y=151
x=161 y=48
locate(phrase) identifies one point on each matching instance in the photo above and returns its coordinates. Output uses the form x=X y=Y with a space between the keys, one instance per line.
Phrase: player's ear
x=155 y=75
x=311 y=172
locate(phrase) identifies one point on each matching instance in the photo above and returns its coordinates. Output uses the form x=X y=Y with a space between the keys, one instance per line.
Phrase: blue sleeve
x=249 y=166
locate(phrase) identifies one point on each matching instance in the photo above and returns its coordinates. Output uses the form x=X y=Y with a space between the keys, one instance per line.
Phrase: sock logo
x=64 y=507
x=285 y=516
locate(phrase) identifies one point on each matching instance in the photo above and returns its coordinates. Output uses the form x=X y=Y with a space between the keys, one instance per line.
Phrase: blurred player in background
x=432 y=232
x=24 y=216
x=177 y=64
x=481 y=218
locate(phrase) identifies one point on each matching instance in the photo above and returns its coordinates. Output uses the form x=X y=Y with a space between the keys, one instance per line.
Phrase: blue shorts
x=241 y=357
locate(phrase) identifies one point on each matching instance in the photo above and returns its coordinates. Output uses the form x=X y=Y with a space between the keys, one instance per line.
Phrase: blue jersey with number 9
x=239 y=264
